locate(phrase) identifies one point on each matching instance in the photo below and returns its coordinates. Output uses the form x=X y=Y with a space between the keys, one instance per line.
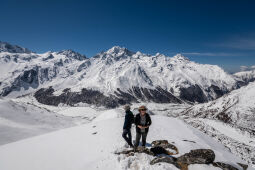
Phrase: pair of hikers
x=142 y=121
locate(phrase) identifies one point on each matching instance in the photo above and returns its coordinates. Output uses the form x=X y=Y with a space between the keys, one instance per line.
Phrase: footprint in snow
x=185 y=140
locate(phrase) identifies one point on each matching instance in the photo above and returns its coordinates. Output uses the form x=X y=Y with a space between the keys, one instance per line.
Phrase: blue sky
x=214 y=32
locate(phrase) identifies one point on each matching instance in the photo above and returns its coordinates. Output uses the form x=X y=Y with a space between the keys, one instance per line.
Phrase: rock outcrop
x=160 y=150
x=224 y=166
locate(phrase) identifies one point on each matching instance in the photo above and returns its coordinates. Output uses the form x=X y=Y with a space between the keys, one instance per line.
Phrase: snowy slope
x=21 y=120
x=230 y=119
x=92 y=146
x=114 y=77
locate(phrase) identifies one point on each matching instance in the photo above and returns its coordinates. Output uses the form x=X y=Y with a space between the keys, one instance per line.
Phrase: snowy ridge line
x=137 y=75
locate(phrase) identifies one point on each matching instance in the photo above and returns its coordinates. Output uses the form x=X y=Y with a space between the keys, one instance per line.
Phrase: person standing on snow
x=129 y=120
x=142 y=122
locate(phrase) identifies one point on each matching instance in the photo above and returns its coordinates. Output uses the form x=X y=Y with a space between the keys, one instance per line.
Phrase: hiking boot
x=126 y=145
x=131 y=145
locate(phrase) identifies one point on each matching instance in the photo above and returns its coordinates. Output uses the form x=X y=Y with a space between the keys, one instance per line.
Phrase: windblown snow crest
x=112 y=78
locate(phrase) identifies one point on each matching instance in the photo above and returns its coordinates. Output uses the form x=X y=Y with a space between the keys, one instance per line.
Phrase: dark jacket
x=138 y=120
x=129 y=119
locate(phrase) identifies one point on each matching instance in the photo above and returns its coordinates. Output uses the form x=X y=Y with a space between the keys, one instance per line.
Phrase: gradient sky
x=214 y=32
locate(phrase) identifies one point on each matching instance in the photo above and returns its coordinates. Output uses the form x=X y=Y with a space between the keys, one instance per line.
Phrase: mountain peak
x=117 y=50
x=180 y=57
x=6 y=47
x=72 y=54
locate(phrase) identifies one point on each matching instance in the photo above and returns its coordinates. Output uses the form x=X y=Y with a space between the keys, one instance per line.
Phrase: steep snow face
x=230 y=119
x=118 y=76
x=92 y=146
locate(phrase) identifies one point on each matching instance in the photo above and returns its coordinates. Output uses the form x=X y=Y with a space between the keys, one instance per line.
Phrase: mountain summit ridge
x=117 y=76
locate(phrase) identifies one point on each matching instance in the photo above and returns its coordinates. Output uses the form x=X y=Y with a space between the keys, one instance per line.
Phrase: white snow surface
x=78 y=148
x=21 y=120
x=230 y=132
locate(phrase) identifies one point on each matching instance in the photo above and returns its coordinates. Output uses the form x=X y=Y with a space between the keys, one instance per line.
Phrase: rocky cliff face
x=97 y=98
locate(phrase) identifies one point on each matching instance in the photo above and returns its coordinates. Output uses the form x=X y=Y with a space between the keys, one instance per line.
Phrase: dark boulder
x=224 y=166
x=198 y=156
x=164 y=144
x=166 y=159
x=158 y=150
x=244 y=166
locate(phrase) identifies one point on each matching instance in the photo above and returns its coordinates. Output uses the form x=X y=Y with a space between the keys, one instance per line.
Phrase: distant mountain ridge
x=111 y=78
x=6 y=47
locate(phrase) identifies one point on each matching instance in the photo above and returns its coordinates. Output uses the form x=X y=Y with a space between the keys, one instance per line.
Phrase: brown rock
x=166 y=159
x=245 y=167
x=164 y=144
x=224 y=166
x=198 y=156
x=158 y=150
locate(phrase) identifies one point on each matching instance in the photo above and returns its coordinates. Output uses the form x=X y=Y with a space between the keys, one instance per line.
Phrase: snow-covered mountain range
x=115 y=77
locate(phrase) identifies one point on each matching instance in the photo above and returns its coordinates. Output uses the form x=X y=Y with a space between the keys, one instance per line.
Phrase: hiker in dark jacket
x=129 y=120
x=142 y=122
